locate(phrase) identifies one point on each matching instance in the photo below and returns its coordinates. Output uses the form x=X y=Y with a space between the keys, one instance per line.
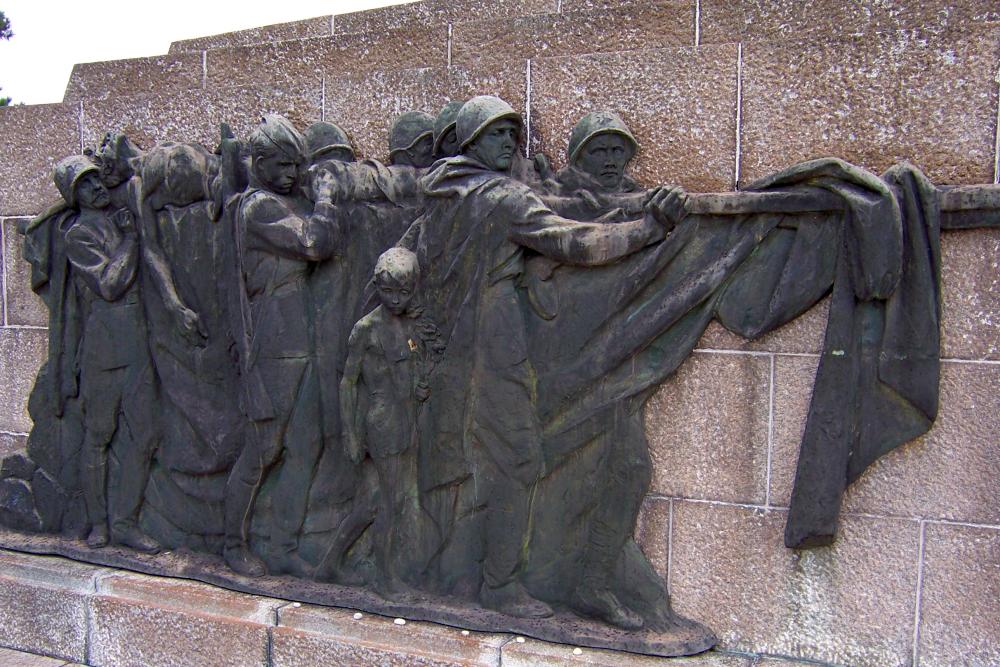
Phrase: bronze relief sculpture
x=418 y=388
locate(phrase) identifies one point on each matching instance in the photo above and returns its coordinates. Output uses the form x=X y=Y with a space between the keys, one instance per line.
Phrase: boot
x=241 y=561
x=133 y=536
x=599 y=602
x=513 y=600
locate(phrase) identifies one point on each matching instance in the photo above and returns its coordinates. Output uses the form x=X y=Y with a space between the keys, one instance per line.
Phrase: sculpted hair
x=397 y=264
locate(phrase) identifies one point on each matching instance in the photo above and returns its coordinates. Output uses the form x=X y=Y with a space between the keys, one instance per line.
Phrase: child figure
x=383 y=384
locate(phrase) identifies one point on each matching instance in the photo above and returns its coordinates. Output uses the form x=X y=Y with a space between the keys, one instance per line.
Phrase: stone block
x=760 y=20
x=43 y=604
x=149 y=119
x=652 y=533
x=311 y=635
x=22 y=352
x=849 y=604
x=175 y=74
x=958 y=604
x=366 y=106
x=34 y=138
x=873 y=100
x=803 y=335
x=305 y=61
x=952 y=472
x=649 y=26
x=150 y=621
x=679 y=103
x=11 y=658
x=970 y=286
x=534 y=653
x=718 y=453
x=12 y=443
x=279 y=32
x=24 y=307
x=436 y=13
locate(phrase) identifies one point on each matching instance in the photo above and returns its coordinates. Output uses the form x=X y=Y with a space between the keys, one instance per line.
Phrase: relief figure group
x=427 y=377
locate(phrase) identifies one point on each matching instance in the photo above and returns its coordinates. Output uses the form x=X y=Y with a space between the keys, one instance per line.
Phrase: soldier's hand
x=423 y=391
x=668 y=206
x=324 y=185
x=124 y=220
x=191 y=327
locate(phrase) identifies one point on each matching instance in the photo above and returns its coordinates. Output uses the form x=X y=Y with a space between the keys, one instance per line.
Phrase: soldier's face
x=449 y=143
x=422 y=153
x=604 y=157
x=394 y=295
x=277 y=172
x=91 y=193
x=495 y=146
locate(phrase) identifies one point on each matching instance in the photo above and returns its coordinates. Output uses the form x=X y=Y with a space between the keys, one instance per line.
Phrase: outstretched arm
x=159 y=268
x=353 y=439
x=591 y=244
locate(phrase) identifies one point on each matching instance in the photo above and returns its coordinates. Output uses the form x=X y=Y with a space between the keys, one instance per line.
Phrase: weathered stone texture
x=679 y=103
x=23 y=305
x=11 y=658
x=22 y=352
x=305 y=61
x=652 y=533
x=970 y=285
x=707 y=429
x=149 y=621
x=961 y=590
x=852 y=603
x=310 y=635
x=873 y=101
x=174 y=74
x=314 y=27
x=533 y=653
x=11 y=443
x=34 y=138
x=436 y=13
x=43 y=604
x=149 y=119
x=366 y=106
x=953 y=472
x=547 y=35
x=758 y=20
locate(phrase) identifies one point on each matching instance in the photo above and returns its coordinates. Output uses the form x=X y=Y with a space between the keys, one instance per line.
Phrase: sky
x=50 y=37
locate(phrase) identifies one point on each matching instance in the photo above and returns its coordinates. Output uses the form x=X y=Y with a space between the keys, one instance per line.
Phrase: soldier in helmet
x=116 y=383
x=594 y=184
x=279 y=234
x=471 y=243
x=411 y=140
x=328 y=142
x=445 y=139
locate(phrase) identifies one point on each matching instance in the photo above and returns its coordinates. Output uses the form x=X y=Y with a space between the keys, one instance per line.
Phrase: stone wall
x=719 y=93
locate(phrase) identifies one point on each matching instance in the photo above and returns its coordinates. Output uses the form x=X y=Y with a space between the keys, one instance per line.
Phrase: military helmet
x=593 y=124
x=68 y=173
x=445 y=122
x=323 y=137
x=408 y=129
x=479 y=112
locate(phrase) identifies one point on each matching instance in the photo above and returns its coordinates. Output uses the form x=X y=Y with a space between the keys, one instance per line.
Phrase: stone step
x=12 y=658
x=77 y=613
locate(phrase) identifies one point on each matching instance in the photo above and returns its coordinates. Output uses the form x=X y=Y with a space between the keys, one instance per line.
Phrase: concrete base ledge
x=55 y=612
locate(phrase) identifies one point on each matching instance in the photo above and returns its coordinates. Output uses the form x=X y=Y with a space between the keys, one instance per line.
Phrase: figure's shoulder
x=364 y=329
x=263 y=206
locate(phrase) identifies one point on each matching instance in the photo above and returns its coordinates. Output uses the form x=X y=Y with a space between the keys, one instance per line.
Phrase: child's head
x=396 y=276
